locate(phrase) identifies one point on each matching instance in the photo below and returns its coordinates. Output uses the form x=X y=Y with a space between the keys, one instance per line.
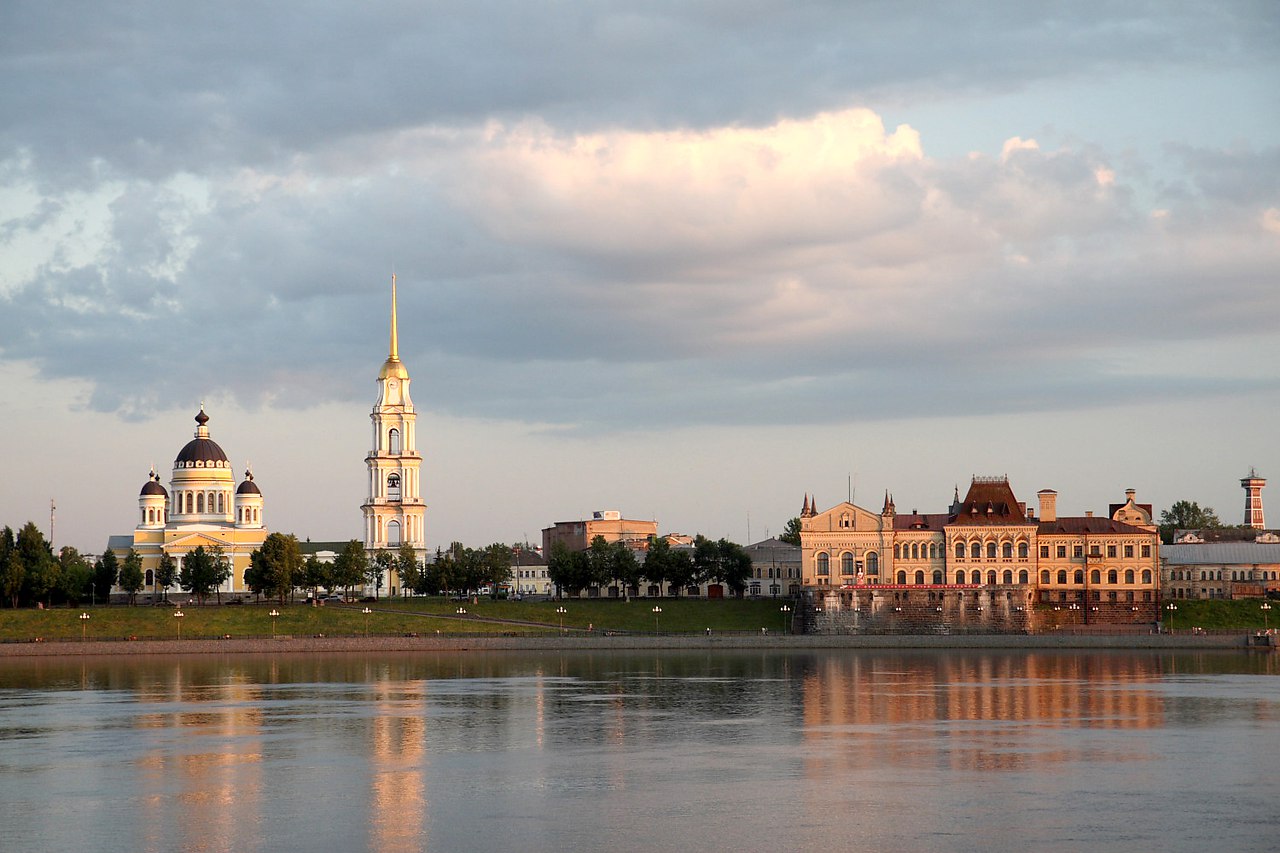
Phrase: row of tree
x=603 y=563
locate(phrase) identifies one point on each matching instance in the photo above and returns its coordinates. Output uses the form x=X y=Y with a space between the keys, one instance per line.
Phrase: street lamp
x=784 y=610
x=178 y=614
x=273 y=614
x=1171 y=607
x=84 y=626
x=656 y=611
x=366 y=613
x=1266 y=615
x=562 y=612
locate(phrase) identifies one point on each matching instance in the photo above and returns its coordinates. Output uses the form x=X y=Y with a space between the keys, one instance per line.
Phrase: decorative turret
x=153 y=502
x=1253 y=485
x=248 y=502
x=889 y=509
x=808 y=511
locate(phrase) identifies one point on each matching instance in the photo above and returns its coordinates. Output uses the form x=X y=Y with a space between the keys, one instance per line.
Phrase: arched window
x=1023 y=576
x=824 y=565
x=960 y=576
x=393 y=533
x=897 y=551
x=959 y=550
x=920 y=577
x=915 y=550
x=1146 y=576
x=937 y=576
x=222 y=505
x=902 y=577
x=1095 y=576
x=1128 y=575
x=846 y=563
x=872 y=561
x=1044 y=576
x=975 y=550
x=1062 y=576
x=1007 y=578
x=991 y=550
x=991 y=577
x=1024 y=550
x=1008 y=550
x=393 y=442
x=200 y=502
x=1112 y=576
x=150 y=578
x=393 y=487
x=1078 y=576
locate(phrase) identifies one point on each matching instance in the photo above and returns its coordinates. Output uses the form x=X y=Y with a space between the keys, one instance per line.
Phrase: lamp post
x=178 y=614
x=656 y=611
x=273 y=614
x=784 y=610
x=366 y=613
x=1265 y=607
x=84 y=626
x=1171 y=607
x=562 y=611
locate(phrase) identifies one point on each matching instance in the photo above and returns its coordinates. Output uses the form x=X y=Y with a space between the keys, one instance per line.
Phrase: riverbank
x=596 y=642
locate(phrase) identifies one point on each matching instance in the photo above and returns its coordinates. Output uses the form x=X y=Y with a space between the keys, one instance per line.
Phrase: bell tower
x=394 y=513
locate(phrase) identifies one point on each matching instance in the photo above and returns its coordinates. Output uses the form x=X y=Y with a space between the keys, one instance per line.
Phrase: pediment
x=191 y=541
x=845 y=516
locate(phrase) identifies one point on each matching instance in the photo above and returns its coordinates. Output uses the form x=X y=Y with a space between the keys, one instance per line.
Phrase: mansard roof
x=990 y=501
x=1079 y=525
x=921 y=521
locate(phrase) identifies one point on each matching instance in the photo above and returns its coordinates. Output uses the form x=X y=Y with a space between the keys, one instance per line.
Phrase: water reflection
x=847 y=750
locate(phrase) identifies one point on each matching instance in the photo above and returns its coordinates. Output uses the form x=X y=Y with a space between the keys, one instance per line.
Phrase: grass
x=389 y=616
x=1216 y=615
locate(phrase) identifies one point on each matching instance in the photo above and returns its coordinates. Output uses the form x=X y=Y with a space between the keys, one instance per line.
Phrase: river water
x=832 y=751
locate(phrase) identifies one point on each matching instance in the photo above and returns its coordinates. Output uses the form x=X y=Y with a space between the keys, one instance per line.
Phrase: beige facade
x=989 y=545
x=578 y=535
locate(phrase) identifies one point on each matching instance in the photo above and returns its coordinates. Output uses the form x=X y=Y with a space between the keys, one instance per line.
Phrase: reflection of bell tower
x=394 y=513
x=1252 y=486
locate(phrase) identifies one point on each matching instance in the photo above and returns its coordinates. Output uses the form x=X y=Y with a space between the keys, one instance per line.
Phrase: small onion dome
x=393 y=368
x=201 y=448
x=248 y=487
x=153 y=487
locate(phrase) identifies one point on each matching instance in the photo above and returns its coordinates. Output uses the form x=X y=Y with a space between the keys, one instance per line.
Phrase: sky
x=690 y=261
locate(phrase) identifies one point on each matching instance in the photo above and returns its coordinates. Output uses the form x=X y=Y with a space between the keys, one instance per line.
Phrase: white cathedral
x=203 y=506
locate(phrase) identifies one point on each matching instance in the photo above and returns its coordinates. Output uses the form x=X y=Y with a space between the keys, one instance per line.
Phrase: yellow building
x=203 y=506
x=986 y=554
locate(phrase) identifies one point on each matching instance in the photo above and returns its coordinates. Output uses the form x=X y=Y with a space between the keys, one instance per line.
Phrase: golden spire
x=395 y=340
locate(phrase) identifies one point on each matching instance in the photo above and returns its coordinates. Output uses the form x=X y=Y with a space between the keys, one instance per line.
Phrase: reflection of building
x=394 y=514
x=775 y=569
x=987 y=554
x=202 y=507
x=577 y=535
x=1232 y=562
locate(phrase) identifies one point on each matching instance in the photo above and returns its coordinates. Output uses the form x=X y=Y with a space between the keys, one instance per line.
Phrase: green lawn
x=1222 y=614
x=389 y=616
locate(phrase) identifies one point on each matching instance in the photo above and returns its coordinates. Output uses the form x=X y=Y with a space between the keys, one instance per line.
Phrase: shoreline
x=627 y=642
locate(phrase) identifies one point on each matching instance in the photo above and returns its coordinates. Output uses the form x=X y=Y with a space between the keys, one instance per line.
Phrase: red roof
x=990 y=501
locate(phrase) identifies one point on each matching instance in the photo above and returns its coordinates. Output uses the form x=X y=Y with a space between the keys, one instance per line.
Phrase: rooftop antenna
x=748 y=527
x=52 y=508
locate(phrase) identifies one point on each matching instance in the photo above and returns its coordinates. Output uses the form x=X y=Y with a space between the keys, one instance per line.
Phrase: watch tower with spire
x=394 y=513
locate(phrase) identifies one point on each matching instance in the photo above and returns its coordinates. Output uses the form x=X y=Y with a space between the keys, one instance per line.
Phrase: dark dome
x=248 y=487
x=200 y=450
x=153 y=487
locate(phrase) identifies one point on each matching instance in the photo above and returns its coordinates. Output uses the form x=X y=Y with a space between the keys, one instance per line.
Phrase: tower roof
x=392 y=366
x=201 y=448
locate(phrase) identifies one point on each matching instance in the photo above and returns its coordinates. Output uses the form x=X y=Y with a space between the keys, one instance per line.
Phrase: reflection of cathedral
x=202 y=507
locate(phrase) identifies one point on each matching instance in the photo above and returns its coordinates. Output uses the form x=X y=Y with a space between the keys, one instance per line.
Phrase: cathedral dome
x=153 y=487
x=201 y=448
x=393 y=368
x=248 y=487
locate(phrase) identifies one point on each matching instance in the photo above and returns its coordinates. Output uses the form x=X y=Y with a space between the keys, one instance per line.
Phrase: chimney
x=1088 y=513
x=1048 y=504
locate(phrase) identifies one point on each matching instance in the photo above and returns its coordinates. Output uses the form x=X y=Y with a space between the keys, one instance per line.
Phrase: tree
x=791 y=533
x=131 y=577
x=314 y=573
x=379 y=567
x=12 y=576
x=600 y=560
x=350 y=566
x=657 y=561
x=495 y=566
x=627 y=570
x=569 y=570
x=275 y=565
x=221 y=569
x=199 y=574
x=76 y=575
x=166 y=574
x=408 y=568
x=1187 y=515
x=105 y=571
x=681 y=571
x=41 y=569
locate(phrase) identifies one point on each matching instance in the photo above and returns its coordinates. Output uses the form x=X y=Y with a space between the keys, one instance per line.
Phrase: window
x=991 y=577
x=1077 y=551
x=1112 y=576
x=1095 y=551
x=1044 y=577
x=1062 y=576
x=902 y=578
x=200 y=502
x=960 y=576
x=1128 y=551
x=1111 y=551
x=1095 y=576
x=393 y=487
x=1023 y=577
x=824 y=565
x=1146 y=576
x=937 y=576
x=920 y=577
x=1024 y=550
x=1007 y=576
x=1078 y=576
x=959 y=550
x=1062 y=551
x=1044 y=552
x=991 y=550
x=1128 y=575
x=393 y=533
x=915 y=551
x=1006 y=550
x=873 y=563
x=846 y=563
x=1146 y=550
x=975 y=550
x=150 y=578
x=393 y=442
